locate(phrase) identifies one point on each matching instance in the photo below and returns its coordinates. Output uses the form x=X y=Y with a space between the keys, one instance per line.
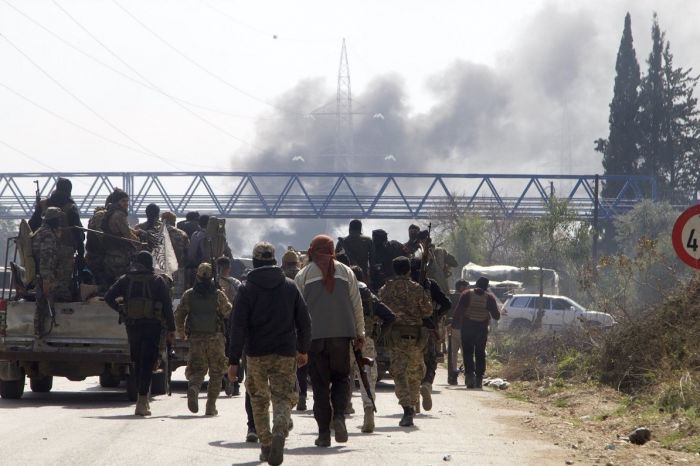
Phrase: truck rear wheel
x=41 y=384
x=109 y=381
x=12 y=389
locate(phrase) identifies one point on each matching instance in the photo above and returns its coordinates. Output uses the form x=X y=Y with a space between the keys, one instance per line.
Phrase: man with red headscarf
x=333 y=300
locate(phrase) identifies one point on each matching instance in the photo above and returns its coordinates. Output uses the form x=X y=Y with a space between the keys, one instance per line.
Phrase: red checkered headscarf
x=322 y=253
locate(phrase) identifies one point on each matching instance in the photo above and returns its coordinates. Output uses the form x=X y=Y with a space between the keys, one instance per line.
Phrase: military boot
x=193 y=398
x=236 y=389
x=212 y=395
x=349 y=409
x=407 y=419
x=341 y=432
x=301 y=404
x=368 y=424
x=478 y=381
x=251 y=436
x=142 y=406
x=148 y=405
x=452 y=378
x=426 y=393
x=470 y=380
x=323 y=440
x=276 y=451
x=265 y=452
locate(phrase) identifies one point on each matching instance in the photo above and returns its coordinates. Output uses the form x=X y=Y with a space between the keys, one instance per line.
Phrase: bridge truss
x=333 y=195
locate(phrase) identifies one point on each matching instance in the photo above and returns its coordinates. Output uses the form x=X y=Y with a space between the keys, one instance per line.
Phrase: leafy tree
x=669 y=123
x=620 y=150
x=557 y=240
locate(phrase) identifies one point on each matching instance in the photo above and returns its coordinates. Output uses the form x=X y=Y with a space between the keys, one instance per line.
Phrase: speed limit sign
x=686 y=236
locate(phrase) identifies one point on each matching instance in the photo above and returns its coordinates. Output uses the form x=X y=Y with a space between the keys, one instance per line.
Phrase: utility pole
x=344 y=143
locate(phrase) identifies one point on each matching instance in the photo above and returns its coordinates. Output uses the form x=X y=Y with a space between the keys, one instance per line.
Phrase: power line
x=34 y=159
x=83 y=103
x=119 y=72
x=194 y=62
x=71 y=122
x=146 y=82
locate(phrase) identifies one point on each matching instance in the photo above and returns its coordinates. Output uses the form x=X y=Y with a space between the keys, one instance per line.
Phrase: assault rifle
x=107 y=235
x=424 y=238
x=362 y=364
x=37 y=193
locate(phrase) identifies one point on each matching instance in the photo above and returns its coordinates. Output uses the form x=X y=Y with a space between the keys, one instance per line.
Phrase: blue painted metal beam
x=329 y=195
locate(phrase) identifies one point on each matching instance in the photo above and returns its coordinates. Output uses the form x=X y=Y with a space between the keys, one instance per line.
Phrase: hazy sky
x=553 y=57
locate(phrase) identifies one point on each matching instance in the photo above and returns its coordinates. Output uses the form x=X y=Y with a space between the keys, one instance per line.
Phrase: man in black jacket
x=441 y=304
x=271 y=320
x=147 y=308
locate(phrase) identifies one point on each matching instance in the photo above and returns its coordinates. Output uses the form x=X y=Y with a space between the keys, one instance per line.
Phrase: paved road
x=82 y=423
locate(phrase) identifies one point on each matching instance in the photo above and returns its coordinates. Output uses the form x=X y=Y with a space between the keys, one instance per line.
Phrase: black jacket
x=159 y=289
x=269 y=317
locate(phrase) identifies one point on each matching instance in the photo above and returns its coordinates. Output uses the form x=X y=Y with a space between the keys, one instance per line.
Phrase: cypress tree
x=652 y=110
x=620 y=151
x=669 y=123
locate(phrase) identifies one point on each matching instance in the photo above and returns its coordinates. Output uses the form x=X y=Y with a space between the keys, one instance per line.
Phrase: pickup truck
x=519 y=311
x=86 y=340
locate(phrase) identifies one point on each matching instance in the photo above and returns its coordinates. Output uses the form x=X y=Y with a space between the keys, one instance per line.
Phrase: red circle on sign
x=677 y=236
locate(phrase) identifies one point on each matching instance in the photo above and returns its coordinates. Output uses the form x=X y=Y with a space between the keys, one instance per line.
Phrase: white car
x=519 y=311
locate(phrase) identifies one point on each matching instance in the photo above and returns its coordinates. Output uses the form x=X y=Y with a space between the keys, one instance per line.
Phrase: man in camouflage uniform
x=200 y=317
x=411 y=304
x=229 y=286
x=180 y=242
x=271 y=321
x=290 y=267
x=70 y=249
x=120 y=244
x=54 y=273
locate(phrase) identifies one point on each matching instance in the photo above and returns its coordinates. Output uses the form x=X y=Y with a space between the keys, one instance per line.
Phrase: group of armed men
x=308 y=318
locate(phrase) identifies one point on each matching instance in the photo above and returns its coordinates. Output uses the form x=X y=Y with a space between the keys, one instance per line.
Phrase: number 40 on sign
x=686 y=236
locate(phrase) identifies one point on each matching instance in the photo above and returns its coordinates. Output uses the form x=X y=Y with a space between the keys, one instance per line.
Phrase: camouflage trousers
x=207 y=354
x=64 y=272
x=407 y=368
x=369 y=351
x=271 y=378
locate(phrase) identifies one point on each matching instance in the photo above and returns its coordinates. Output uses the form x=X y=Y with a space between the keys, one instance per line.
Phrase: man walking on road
x=453 y=334
x=375 y=312
x=411 y=304
x=201 y=317
x=147 y=309
x=475 y=309
x=333 y=298
x=272 y=322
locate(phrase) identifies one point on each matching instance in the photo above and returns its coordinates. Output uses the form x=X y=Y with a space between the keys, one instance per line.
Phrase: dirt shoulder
x=593 y=422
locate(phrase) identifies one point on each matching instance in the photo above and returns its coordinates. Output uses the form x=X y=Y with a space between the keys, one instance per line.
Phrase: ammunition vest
x=203 y=318
x=144 y=306
x=477 y=308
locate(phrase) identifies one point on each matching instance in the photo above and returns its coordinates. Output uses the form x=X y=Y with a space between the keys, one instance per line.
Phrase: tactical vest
x=477 y=308
x=144 y=306
x=203 y=318
x=94 y=240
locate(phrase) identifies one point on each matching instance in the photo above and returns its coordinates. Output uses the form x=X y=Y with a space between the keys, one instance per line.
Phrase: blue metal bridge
x=334 y=195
